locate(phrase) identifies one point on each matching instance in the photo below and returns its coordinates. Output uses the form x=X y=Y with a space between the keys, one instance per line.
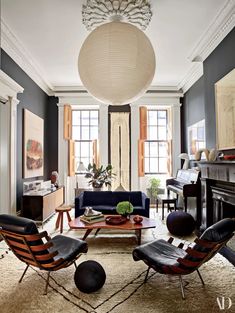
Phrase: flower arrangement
x=124 y=208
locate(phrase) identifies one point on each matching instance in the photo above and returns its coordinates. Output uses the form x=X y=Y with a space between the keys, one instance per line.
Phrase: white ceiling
x=51 y=31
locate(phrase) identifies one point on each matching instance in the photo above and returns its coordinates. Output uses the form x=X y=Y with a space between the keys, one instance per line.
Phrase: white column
x=8 y=139
x=5 y=158
x=176 y=138
x=62 y=153
x=13 y=153
x=135 y=130
x=103 y=133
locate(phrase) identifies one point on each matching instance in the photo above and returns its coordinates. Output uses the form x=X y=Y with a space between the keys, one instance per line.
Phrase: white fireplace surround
x=8 y=127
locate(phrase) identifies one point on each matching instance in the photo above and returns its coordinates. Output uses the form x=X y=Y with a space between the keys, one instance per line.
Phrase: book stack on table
x=92 y=217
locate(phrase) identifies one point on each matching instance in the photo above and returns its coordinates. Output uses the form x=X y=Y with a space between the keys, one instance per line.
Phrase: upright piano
x=187 y=184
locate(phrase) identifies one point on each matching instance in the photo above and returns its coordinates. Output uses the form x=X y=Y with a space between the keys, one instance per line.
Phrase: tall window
x=156 y=146
x=85 y=128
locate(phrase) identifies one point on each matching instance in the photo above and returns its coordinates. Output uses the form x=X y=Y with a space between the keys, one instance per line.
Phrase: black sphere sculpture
x=89 y=276
x=180 y=223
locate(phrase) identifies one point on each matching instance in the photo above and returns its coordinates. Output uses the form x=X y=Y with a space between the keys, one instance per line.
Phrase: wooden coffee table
x=129 y=225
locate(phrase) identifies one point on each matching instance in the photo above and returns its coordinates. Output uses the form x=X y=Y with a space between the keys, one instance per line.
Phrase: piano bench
x=165 y=199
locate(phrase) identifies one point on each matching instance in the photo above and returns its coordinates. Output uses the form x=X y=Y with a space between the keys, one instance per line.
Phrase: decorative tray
x=115 y=220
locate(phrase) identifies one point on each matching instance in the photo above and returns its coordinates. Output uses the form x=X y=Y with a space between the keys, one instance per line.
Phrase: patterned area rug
x=124 y=290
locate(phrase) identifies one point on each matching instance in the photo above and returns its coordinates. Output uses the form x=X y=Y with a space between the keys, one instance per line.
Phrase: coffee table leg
x=97 y=231
x=88 y=231
x=138 y=236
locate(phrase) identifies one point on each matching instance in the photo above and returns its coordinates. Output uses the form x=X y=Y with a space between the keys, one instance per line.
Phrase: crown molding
x=16 y=50
x=10 y=83
x=222 y=24
x=195 y=72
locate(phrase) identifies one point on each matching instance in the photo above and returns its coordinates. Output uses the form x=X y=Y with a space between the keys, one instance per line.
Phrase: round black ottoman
x=180 y=223
x=89 y=276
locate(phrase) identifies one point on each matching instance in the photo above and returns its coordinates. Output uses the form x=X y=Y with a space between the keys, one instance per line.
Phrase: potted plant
x=124 y=208
x=99 y=176
x=153 y=190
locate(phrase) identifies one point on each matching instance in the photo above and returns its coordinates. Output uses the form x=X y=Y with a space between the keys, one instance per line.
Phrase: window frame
x=157 y=141
x=78 y=159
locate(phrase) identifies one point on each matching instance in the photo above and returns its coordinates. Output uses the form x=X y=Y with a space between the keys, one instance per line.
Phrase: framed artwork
x=225 y=112
x=196 y=137
x=33 y=145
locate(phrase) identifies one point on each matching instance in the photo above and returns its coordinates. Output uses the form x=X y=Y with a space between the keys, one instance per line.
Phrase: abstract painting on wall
x=33 y=145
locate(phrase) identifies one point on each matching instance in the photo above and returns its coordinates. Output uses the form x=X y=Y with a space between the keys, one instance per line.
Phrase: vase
x=138 y=219
x=126 y=215
x=97 y=188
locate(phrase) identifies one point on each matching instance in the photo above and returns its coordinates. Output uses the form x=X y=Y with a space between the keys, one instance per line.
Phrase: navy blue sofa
x=106 y=201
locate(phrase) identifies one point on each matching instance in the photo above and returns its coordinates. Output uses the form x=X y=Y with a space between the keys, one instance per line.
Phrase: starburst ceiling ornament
x=97 y=12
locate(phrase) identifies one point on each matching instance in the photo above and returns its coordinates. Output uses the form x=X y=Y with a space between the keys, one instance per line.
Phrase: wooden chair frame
x=187 y=266
x=35 y=255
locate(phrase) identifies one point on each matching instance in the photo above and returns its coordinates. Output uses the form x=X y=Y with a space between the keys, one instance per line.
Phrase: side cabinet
x=40 y=208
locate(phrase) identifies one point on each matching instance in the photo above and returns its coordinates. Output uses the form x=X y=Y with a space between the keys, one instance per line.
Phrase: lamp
x=80 y=170
x=117 y=62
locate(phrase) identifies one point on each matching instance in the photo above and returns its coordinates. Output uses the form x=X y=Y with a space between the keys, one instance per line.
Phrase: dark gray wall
x=193 y=108
x=199 y=100
x=37 y=101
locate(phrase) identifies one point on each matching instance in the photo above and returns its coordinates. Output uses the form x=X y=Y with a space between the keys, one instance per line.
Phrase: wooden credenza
x=40 y=208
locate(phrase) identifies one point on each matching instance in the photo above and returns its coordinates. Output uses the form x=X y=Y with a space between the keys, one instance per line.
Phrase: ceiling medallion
x=97 y=12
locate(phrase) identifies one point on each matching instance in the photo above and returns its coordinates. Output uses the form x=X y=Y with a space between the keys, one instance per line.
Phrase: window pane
x=77 y=149
x=146 y=165
x=94 y=132
x=162 y=121
x=153 y=149
x=76 y=118
x=153 y=165
x=85 y=149
x=85 y=117
x=162 y=149
x=162 y=114
x=162 y=133
x=85 y=161
x=76 y=133
x=152 y=117
x=146 y=149
x=152 y=133
x=94 y=117
x=85 y=133
x=91 y=149
x=163 y=165
x=76 y=163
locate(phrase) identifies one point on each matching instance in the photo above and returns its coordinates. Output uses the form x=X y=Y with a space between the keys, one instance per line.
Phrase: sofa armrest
x=145 y=202
x=78 y=204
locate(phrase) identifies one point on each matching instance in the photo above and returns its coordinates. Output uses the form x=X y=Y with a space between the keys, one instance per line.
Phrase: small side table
x=165 y=199
x=61 y=210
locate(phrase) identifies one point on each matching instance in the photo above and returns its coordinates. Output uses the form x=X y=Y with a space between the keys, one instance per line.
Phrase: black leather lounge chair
x=38 y=249
x=165 y=258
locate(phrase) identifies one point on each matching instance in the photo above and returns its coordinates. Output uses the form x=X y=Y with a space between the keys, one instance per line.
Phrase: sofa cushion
x=91 y=198
x=135 y=197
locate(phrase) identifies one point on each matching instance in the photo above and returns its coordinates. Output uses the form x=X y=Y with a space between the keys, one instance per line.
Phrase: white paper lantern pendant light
x=116 y=62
